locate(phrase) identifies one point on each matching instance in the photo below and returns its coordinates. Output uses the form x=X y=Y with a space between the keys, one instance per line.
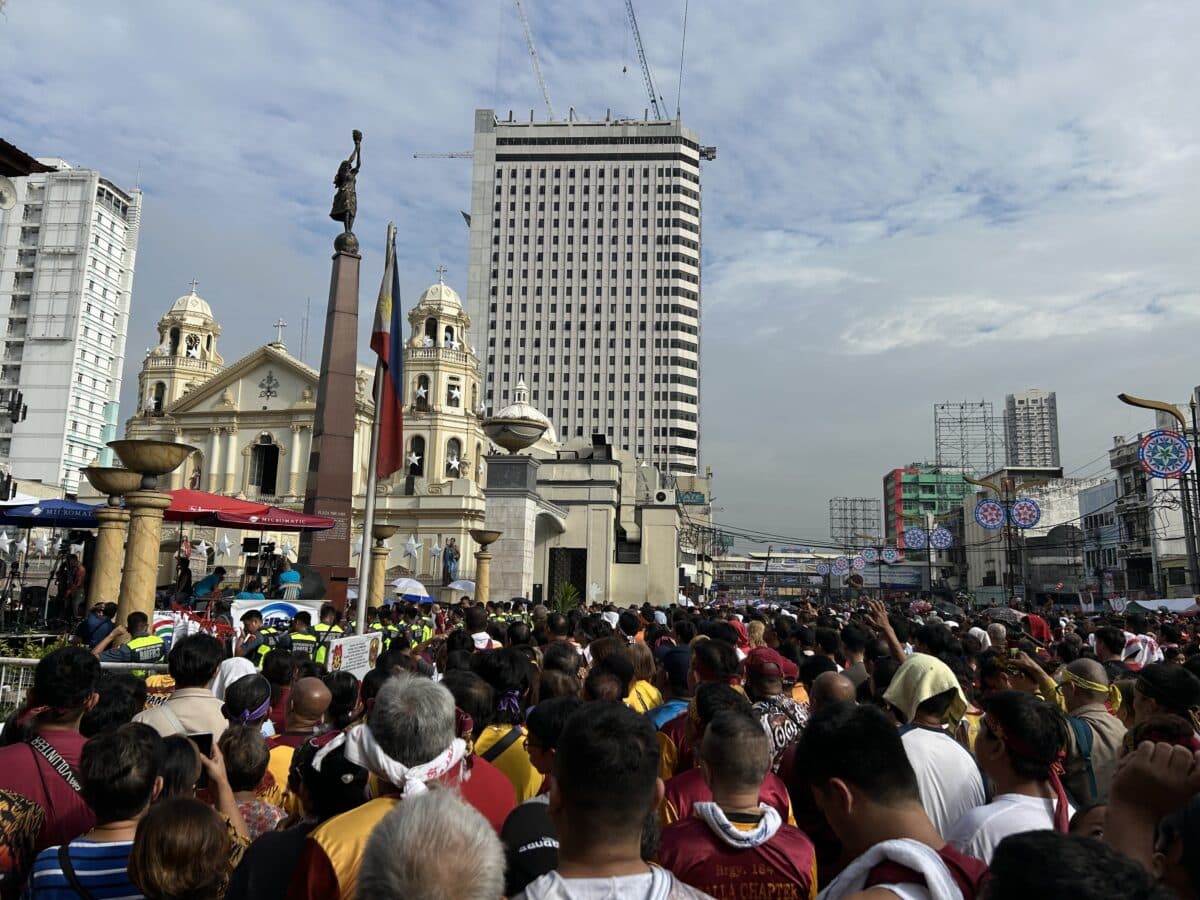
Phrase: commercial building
x=585 y=262
x=1031 y=429
x=1103 y=573
x=67 y=252
x=919 y=490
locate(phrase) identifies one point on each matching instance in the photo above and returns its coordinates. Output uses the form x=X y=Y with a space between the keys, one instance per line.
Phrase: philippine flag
x=387 y=340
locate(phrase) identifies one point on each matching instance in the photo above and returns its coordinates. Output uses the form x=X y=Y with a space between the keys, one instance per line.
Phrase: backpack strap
x=1083 y=739
x=68 y=870
x=492 y=753
x=63 y=769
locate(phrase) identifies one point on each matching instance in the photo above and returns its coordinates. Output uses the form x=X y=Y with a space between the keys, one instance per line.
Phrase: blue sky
x=911 y=202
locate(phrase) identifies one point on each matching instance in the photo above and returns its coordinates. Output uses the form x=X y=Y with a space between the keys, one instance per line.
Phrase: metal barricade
x=16 y=678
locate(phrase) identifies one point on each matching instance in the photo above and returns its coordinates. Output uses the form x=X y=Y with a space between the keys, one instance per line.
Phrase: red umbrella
x=274 y=519
x=192 y=506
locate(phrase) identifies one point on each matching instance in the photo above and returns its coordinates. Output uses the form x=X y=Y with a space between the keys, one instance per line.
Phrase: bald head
x=1086 y=670
x=307 y=703
x=830 y=688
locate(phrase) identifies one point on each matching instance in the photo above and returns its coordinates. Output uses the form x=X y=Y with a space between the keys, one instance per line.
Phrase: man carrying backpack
x=1096 y=735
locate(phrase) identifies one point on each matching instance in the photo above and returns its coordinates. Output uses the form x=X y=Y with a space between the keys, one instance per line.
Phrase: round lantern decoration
x=1165 y=454
x=942 y=538
x=915 y=538
x=1025 y=513
x=890 y=555
x=990 y=514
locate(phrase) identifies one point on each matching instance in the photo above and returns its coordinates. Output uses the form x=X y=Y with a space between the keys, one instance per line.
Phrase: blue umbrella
x=51 y=514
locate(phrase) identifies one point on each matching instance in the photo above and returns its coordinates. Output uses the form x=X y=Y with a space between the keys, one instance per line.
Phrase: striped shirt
x=101 y=868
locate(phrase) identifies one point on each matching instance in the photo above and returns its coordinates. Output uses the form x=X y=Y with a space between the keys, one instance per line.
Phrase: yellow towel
x=920 y=677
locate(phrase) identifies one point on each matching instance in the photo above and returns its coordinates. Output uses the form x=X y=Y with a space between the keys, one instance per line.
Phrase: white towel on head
x=230 y=671
x=908 y=853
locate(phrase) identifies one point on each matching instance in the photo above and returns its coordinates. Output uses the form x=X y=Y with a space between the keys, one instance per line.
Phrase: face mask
x=267 y=728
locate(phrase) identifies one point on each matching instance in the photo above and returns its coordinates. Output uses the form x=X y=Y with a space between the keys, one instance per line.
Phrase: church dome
x=192 y=305
x=521 y=408
x=440 y=294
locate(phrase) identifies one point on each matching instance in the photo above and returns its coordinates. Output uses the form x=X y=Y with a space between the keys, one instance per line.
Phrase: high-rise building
x=1031 y=429
x=67 y=253
x=585 y=264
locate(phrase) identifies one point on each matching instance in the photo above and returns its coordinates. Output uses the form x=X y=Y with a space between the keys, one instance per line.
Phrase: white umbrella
x=462 y=586
x=410 y=588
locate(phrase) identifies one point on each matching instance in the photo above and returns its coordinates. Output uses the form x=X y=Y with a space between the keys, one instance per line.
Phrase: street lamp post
x=1189 y=512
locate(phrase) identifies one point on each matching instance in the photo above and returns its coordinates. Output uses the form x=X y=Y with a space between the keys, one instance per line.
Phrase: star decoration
x=4 y=541
x=454 y=463
x=22 y=546
x=435 y=551
x=224 y=546
x=202 y=548
x=427 y=341
x=413 y=459
x=287 y=549
x=422 y=392
x=593 y=591
x=412 y=546
x=455 y=394
x=453 y=344
x=39 y=546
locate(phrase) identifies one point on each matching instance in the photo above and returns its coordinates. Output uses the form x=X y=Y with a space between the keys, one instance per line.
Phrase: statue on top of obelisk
x=345 y=201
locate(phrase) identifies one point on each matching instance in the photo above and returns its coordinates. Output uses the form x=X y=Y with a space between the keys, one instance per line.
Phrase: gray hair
x=413 y=719
x=433 y=846
x=997 y=633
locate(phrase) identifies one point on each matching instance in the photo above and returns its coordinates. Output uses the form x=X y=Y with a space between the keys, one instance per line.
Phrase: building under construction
x=854 y=520
x=965 y=437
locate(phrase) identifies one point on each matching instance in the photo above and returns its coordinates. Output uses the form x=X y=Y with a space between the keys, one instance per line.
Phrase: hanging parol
x=822 y=569
x=870 y=554
x=889 y=555
x=1165 y=454
x=859 y=563
x=915 y=538
x=990 y=514
x=840 y=565
x=942 y=538
x=1025 y=513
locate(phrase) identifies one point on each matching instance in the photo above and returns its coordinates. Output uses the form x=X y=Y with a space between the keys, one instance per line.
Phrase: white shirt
x=981 y=829
x=947 y=775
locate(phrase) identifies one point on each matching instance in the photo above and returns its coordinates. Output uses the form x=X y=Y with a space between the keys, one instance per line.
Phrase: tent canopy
x=51 y=514
x=192 y=506
x=272 y=519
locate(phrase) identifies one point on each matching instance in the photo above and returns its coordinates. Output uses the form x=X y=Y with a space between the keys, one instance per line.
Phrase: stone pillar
x=231 y=459
x=329 y=490
x=483 y=576
x=296 y=451
x=512 y=508
x=109 y=555
x=140 y=577
x=213 y=463
x=379 y=558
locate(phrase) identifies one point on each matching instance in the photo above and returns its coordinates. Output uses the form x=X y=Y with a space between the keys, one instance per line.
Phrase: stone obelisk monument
x=329 y=490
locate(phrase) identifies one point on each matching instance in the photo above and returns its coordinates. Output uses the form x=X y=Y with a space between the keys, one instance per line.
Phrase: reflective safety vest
x=390 y=633
x=268 y=637
x=325 y=634
x=304 y=642
x=147 y=648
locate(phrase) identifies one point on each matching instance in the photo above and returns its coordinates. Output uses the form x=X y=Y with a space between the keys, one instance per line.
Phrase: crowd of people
x=856 y=750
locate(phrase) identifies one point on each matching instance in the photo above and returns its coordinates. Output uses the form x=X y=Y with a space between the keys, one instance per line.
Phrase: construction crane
x=637 y=40
x=537 y=66
x=454 y=154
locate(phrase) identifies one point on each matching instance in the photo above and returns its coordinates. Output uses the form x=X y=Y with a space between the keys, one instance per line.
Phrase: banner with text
x=276 y=613
x=356 y=654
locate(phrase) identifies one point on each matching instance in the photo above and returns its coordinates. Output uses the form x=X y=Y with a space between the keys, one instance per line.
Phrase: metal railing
x=16 y=678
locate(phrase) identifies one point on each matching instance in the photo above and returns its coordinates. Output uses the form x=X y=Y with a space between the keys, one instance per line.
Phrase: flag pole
x=364 y=556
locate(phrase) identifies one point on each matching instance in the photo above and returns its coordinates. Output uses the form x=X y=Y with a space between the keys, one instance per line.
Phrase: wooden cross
x=279 y=326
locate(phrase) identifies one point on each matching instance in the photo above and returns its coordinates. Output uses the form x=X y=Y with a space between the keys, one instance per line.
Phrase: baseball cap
x=765 y=661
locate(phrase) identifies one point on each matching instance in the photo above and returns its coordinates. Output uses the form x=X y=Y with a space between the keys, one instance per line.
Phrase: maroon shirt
x=967 y=871
x=684 y=791
x=23 y=771
x=675 y=730
x=785 y=866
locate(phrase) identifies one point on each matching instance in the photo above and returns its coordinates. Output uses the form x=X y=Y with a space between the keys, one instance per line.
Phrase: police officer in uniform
x=300 y=638
x=327 y=630
x=142 y=646
x=256 y=641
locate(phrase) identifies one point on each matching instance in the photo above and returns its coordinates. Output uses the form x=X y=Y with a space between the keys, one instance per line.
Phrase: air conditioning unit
x=665 y=497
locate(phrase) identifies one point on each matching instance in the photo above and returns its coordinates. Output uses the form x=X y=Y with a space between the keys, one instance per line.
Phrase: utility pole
x=762 y=590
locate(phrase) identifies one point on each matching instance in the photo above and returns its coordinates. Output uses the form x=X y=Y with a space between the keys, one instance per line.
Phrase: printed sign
x=355 y=654
x=276 y=613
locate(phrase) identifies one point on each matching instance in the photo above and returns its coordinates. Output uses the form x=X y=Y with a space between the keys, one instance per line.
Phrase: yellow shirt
x=513 y=762
x=344 y=838
x=643 y=697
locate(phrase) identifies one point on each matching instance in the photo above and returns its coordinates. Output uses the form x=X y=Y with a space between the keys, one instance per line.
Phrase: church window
x=416 y=451
x=431 y=328
x=193 y=346
x=454 y=467
x=158 y=399
x=264 y=465
x=421 y=400
x=449 y=335
x=174 y=338
x=208 y=344
x=453 y=393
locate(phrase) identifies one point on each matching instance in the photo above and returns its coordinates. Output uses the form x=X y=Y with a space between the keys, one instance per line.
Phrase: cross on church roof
x=441 y=270
x=279 y=326
x=194 y=283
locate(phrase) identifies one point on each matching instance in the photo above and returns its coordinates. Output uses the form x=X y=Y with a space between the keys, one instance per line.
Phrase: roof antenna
x=682 y=47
